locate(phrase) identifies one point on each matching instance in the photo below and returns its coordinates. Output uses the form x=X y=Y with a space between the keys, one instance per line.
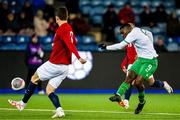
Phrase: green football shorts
x=144 y=67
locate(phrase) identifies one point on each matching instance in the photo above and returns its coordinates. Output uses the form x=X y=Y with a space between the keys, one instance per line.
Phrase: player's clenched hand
x=102 y=46
x=82 y=60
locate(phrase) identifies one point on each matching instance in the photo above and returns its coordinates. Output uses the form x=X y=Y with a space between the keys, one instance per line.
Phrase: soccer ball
x=17 y=83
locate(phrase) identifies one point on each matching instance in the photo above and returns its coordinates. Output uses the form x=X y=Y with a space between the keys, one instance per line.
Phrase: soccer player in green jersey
x=144 y=66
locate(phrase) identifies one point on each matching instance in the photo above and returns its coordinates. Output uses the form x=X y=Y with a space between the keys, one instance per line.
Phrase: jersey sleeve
x=68 y=38
x=117 y=46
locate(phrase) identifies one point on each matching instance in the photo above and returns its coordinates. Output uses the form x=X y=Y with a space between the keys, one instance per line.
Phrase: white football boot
x=168 y=87
x=124 y=104
x=20 y=105
x=58 y=113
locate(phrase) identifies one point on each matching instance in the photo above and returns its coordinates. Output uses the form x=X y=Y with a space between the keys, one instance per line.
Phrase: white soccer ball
x=17 y=83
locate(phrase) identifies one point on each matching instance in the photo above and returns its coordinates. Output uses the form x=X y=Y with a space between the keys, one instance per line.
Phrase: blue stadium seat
x=97 y=19
x=95 y=3
x=135 y=3
x=145 y=2
x=99 y=9
x=119 y=4
x=20 y=39
x=79 y=39
x=170 y=40
x=162 y=27
x=178 y=13
x=169 y=4
x=173 y=47
x=46 y=40
x=8 y=43
x=88 y=39
x=156 y=30
x=86 y=9
x=8 y=39
x=21 y=42
x=107 y=2
x=84 y=2
x=156 y=3
x=137 y=10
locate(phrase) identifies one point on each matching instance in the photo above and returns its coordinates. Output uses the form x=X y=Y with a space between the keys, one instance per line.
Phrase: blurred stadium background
x=19 y=19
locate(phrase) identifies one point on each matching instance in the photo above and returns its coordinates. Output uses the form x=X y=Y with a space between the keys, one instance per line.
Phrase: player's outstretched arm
x=117 y=46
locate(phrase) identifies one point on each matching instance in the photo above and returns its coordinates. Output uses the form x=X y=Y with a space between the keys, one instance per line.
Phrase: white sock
x=59 y=108
x=22 y=103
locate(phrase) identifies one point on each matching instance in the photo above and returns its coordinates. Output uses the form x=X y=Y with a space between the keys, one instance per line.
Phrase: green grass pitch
x=92 y=107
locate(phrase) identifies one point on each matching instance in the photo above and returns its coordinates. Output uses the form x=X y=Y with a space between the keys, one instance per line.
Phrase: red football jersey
x=64 y=45
x=130 y=56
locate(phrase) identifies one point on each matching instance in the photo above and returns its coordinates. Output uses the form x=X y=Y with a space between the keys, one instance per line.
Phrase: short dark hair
x=126 y=25
x=62 y=13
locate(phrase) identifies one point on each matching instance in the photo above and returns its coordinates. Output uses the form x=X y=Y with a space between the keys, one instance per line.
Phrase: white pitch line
x=92 y=111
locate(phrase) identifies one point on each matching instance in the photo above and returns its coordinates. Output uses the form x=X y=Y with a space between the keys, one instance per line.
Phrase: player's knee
x=49 y=89
x=138 y=81
x=35 y=79
x=131 y=75
x=150 y=81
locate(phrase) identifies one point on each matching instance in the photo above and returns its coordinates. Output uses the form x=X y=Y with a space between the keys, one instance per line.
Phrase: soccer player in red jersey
x=56 y=68
x=127 y=62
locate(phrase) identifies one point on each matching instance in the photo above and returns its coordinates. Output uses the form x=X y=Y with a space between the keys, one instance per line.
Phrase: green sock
x=122 y=89
x=141 y=96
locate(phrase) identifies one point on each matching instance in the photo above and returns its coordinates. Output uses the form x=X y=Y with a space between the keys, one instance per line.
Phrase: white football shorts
x=52 y=72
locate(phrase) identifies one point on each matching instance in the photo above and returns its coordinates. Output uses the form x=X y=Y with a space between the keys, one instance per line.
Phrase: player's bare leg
x=55 y=100
x=20 y=105
x=123 y=87
x=140 y=86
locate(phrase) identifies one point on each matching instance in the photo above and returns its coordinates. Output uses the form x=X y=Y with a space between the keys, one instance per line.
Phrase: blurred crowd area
x=24 y=17
x=93 y=21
